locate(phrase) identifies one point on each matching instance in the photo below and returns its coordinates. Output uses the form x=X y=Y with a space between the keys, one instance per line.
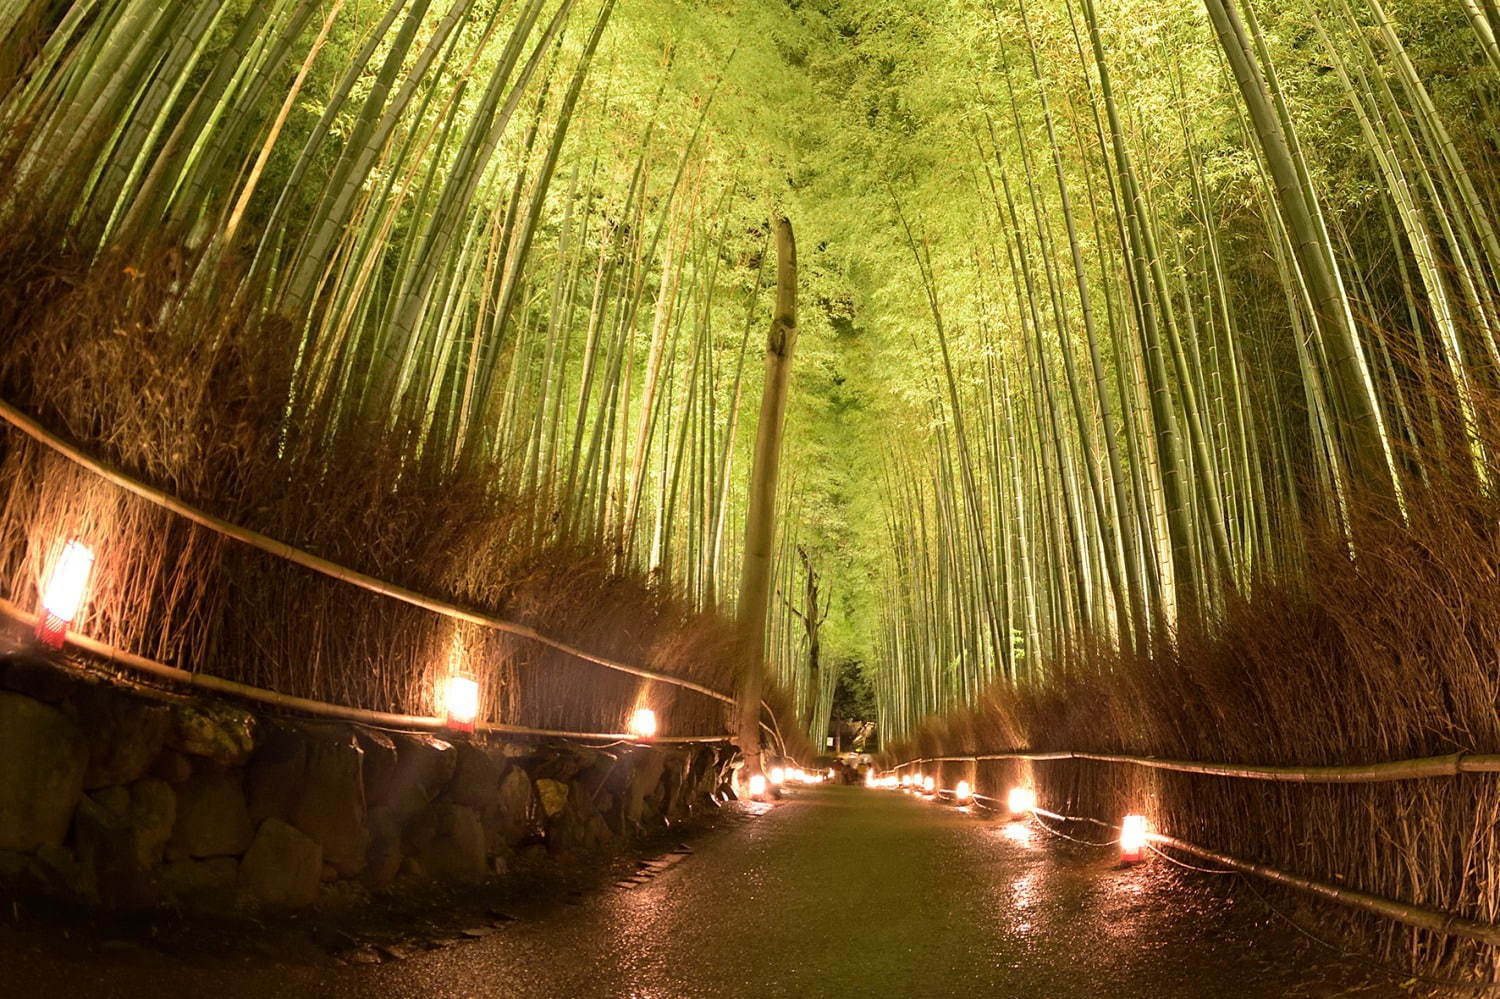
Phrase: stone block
x=384 y=854
x=424 y=766
x=275 y=773
x=645 y=768
x=579 y=827
x=455 y=851
x=513 y=819
x=172 y=767
x=125 y=734
x=212 y=819
x=476 y=777
x=200 y=883
x=673 y=791
x=565 y=762
x=552 y=795
x=152 y=816
x=330 y=804
x=43 y=758
x=311 y=775
x=283 y=867
x=380 y=763
x=219 y=732
x=35 y=677
x=108 y=846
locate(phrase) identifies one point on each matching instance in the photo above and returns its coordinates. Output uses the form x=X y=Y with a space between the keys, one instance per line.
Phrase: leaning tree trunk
x=760 y=517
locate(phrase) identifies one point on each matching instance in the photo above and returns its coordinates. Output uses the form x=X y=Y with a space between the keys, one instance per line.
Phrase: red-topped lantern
x=643 y=724
x=63 y=593
x=461 y=702
x=1133 y=835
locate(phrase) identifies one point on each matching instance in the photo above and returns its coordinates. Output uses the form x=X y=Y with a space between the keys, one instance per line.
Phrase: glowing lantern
x=461 y=702
x=778 y=776
x=62 y=596
x=870 y=779
x=1022 y=801
x=643 y=723
x=964 y=791
x=1132 y=839
x=757 y=786
x=929 y=785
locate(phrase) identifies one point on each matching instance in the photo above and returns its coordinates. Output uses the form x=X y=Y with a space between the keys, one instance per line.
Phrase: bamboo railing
x=1338 y=773
x=321 y=709
x=1407 y=913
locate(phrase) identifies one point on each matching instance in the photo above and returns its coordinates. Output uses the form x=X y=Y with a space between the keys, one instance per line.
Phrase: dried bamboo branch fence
x=10 y=414
x=307 y=560
x=323 y=709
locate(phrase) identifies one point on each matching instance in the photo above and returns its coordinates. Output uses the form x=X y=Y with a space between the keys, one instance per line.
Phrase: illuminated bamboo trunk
x=760 y=518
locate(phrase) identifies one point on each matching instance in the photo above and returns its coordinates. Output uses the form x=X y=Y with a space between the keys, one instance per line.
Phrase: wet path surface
x=834 y=892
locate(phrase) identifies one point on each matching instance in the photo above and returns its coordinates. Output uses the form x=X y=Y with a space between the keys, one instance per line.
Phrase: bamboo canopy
x=1144 y=408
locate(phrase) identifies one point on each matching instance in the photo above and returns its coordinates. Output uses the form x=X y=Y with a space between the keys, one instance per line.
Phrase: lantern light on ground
x=929 y=785
x=778 y=776
x=461 y=701
x=643 y=723
x=963 y=792
x=870 y=779
x=1133 y=832
x=63 y=592
x=1022 y=802
x=757 y=786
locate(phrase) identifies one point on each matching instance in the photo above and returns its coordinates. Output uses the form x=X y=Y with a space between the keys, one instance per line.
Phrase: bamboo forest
x=1095 y=397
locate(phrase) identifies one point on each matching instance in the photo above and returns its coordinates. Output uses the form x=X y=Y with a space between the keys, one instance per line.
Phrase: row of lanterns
x=65 y=587
x=1135 y=831
x=777 y=777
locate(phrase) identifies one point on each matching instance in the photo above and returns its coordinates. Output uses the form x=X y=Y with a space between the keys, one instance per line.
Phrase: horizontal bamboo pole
x=321 y=709
x=333 y=570
x=1401 y=912
x=1351 y=773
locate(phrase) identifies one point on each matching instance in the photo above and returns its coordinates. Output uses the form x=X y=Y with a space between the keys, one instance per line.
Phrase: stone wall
x=136 y=798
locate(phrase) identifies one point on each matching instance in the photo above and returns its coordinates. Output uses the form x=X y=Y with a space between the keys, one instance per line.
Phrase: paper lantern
x=643 y=723
x=63 y=593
